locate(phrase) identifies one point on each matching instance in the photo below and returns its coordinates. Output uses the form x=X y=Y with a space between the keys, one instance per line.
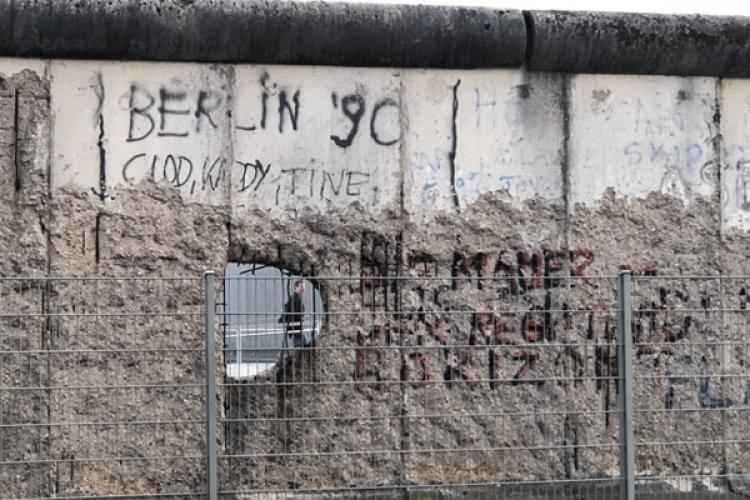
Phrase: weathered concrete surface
x=316 y=138
x=264 y=32
x=505 y=135
x=735 y=241
x=475 y=187
x=118 y=220
x=735 y=172
x=342 y=34
x=658 y=133
x=534 y=175
x=170 y=123
x=646 y=44
x=342 y=242
x=658 y=213
x=24 y=209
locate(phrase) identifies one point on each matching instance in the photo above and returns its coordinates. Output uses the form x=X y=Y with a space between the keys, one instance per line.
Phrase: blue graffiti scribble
x=693 y=153
x=480 y=104
x=505 y=181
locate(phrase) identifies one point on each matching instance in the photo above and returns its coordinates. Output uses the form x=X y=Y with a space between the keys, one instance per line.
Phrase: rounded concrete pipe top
x=341 y=34
x=264 y=32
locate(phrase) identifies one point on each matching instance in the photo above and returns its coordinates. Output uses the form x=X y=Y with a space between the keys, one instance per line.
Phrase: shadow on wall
x=266 y=312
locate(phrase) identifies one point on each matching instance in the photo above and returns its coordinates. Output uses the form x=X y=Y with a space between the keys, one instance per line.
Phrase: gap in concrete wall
x=259 y=308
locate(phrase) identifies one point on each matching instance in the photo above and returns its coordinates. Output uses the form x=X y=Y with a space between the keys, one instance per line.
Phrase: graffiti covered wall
x=172 y=168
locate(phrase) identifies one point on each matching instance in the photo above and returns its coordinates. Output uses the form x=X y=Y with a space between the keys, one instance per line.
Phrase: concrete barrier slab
x=117 y=124
x=473 y=133
x=10 y=65
x=315 y=138
x=639 y=135
x=735 y=172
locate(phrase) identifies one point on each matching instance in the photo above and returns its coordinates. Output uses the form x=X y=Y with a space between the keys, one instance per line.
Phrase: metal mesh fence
x=691 y=385
x=101 y=387
x=414 y=386
x=500 y=386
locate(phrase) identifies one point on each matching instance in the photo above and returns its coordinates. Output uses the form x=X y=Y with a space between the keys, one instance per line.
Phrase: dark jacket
x=293 y=313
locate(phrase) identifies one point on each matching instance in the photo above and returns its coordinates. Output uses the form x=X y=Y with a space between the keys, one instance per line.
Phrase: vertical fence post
x=209 y=316
x=625 y=386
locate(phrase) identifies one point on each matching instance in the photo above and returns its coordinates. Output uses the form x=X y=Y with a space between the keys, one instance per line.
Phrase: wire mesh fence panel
x=23 y=407
x=691 y=386
x=375 y=386
x=101 y=388
x=501 y=387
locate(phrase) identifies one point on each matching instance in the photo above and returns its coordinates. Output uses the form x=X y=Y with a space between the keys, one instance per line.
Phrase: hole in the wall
x=268 y=312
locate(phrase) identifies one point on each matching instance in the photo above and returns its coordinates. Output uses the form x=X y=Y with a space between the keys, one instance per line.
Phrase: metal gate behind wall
x=498 y=387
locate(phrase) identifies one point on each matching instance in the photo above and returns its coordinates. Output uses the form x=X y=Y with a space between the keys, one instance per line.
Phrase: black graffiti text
x=353 y=106
x=288 y=106
x=170 y=112
x=321 y=183
x=199 y=174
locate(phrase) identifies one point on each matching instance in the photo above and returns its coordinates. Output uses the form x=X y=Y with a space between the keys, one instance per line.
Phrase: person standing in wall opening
x=293 y=317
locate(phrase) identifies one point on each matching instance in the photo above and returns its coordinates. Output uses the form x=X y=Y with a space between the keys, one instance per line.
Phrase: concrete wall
x=123 y=168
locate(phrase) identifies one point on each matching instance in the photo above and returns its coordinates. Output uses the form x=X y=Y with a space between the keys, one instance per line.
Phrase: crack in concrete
x=102 y=194
x=16 y=128
x=454 y=144
x=97 y=237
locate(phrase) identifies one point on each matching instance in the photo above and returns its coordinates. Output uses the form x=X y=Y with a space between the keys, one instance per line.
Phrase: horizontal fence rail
x=408 y=386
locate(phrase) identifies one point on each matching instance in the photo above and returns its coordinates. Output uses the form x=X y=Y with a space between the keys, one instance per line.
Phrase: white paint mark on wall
x=640 y=135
